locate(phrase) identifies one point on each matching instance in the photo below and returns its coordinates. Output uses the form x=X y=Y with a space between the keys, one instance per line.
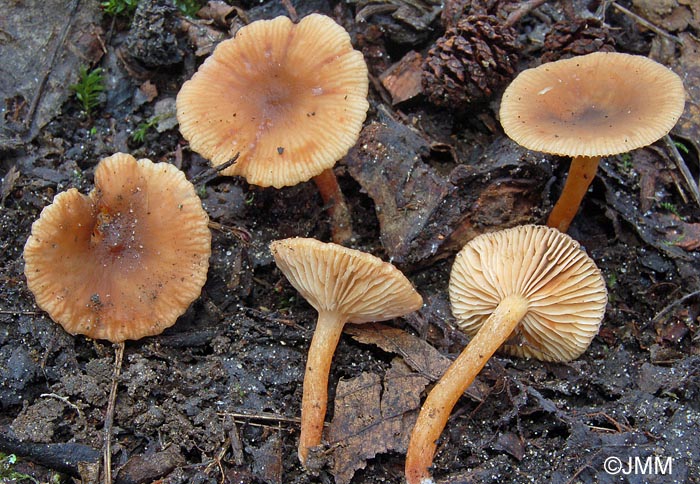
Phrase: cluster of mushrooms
x=530 y=291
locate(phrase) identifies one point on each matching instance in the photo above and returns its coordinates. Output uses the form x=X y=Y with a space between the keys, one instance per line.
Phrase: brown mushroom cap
x=124 y=261
x=335 y=279
x=290 y=98
x=565 y=292
x=598 y=104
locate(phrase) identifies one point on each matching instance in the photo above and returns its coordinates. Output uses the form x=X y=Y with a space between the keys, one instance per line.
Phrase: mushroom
x=530 y=287
x=123 y=262
x=289 y=98
x=587 y=107
x=343 y=285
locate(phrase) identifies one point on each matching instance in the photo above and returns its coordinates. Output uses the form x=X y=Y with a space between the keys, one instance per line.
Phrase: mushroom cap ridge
x=126 y=260
x=333 y=278
x=597 y=104
x=565 y=291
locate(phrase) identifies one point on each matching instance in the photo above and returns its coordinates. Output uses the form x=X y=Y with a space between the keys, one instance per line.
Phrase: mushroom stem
x=315 y=395
x=341 y=223
x=461 y=373
x=581 y=174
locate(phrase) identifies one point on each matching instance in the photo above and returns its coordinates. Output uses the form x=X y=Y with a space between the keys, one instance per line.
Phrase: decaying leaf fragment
x=373 y=414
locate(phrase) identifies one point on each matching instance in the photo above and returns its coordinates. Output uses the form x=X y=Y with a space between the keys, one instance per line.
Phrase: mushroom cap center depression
x=588 y=103
x=275 y=96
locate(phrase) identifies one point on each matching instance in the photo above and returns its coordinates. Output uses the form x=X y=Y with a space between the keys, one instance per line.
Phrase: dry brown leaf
x=417 y=353
x=372 y=416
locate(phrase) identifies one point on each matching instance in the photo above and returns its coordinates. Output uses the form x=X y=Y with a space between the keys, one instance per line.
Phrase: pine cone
x=570 y=38
x=470 y=62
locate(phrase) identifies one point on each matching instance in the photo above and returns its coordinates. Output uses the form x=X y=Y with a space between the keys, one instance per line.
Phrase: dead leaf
x=8 y=183
x=417 y=353
x=681 y=234
x=148 y=468
x=387 y=163
x=217 y=11
x=149 y=91
x=373 y=415
x=510 y=443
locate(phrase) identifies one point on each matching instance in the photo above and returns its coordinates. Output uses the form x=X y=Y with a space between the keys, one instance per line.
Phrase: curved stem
x=315 y=395
x=461 y=373
x=581 y=174
x=341 y=222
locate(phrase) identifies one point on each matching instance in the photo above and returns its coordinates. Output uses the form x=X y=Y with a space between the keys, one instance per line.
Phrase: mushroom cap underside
x=126 y=260
x=598 y=104
x=289 y=98
x=565 y=291
x=348 y=282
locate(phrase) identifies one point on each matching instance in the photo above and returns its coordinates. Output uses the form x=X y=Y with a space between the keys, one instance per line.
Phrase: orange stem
x=341 y=222
x=315 y=395
x=581 y=174
x=461 y=373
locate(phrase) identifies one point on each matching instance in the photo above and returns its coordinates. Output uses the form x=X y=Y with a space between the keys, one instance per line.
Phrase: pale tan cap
x=333 y=278
x=126 y=260
x=290 y=98
x=598 y=104
x=565 y=291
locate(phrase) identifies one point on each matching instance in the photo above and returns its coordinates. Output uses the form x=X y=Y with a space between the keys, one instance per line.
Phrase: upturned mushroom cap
x=124 y=261
x=565 y=292
x=335 y=279
x=290 y=98
x=598 y=104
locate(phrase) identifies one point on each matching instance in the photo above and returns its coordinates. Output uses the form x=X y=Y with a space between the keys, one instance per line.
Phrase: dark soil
x=216 y=397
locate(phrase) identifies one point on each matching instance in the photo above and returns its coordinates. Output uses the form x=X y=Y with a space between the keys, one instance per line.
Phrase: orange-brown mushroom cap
x=290 y=98
x=564 y=290
x=598 y=104
x=126 y=260
x=352 y=283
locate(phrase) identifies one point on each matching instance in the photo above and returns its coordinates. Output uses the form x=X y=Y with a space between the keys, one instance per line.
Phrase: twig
x=524 y=8
x=239 y=232
x=64 y=400
x=675 y=303
x=683 y=168
x=17 y=312
x=291 y=10
x=211 y=173
x=646 y=23
x=109 y=417
x=264 y=416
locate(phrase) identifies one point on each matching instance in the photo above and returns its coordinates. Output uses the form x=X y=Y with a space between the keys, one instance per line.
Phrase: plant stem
x=461 y=373
x=581 y=174
x=109 y=417
x=315 y=395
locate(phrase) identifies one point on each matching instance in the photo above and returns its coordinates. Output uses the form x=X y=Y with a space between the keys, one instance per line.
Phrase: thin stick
x=109 y=417
x=291 y=10
x=646 y=23
x=211 y=173
x=675 y=303
x=683 y=168
x=525 y=8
